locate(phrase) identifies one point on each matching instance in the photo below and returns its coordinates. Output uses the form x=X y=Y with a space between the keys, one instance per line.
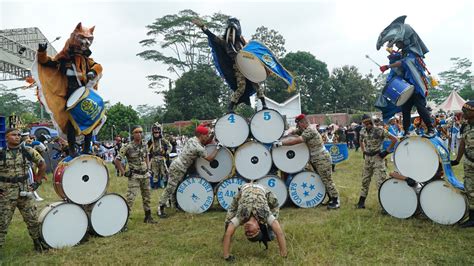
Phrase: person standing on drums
x=319 y=157
x=226 y=50
x=257 y=209
x=408 y=64
x=159 y=149
x=136 y=153
x=466 y=147
x=14 y=190
x=69 y=70
x=192 y=150
x=371 y=139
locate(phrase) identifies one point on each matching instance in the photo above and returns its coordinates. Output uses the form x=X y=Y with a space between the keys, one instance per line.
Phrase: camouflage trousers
x=176 y=176
x=136 y=184
x=9 y=201
x=241 y=86
x=322 y=166
x=373 y=166
x=158 y=167
x=469 y=183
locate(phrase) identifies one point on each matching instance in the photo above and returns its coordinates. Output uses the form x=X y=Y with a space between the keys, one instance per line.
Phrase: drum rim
x=232 y=170
x=266 y=110
x=210 y=205
x=59 y=203
x=89 y=216
x=284 y=185
x=450 y=187
x=248 y=143
x=245 y=128
x=240 y=54
x=324 y=196
x=300 y=170
x=245 y=181
x=418 y=206
x=85 y=93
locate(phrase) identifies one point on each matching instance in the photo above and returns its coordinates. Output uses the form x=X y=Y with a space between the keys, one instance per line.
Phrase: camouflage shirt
x=136 y=155
x=313 y=139
x=192 y=150
x=373 y=139
x=468 y=137
x=13 y=163
x=253 y=199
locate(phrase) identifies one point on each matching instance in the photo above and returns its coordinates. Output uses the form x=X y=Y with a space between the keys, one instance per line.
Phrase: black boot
x=361 y=203
x=39 y=246
x=470 y=222
x=161 y=212
x=333 y=204
x=87 y=144
x=264 y=104
x=430 y=132
x=148 y=219
x=230 y=108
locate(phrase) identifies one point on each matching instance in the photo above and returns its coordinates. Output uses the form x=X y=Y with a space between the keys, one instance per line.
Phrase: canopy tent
x=453 y=103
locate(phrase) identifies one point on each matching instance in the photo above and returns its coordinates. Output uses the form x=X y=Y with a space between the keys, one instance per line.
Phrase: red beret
x=299 y=118
x=202 y=130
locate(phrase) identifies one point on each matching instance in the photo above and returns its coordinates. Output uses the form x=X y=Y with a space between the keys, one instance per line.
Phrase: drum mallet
x=368 y=57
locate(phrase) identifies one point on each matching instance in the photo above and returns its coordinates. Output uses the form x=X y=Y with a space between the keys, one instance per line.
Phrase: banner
x=339 y=151
x=446 y=163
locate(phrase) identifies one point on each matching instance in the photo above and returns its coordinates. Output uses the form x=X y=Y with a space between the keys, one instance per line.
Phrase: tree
x=119 y=118
x=149 y=114
x=272 y=39
x=13 y=104
x=459 y=78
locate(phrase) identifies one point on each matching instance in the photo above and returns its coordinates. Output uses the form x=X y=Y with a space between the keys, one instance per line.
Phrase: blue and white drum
x=398 y=199
x=227 y=190
x=267 y=125
x=195 y=195
x=442 y=203
x=253 y=160
x=306 y=190
x=398 y=91
x=86 y=110
x=231 y=130
x=291 y=159
x=277 y=186
x=219 y=169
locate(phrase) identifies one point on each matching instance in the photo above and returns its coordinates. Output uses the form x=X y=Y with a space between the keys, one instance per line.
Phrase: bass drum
x=442 y=203
x=227 y=189
x=253 y=160
x=277 y=186
x=195 y=195
x=82 y=180
x=267 y=125
x=231 y=130
x=306 y=190
x=291 y=159
x=398 y=199
x=109 y=215
x=63 y=224
x=217 y=170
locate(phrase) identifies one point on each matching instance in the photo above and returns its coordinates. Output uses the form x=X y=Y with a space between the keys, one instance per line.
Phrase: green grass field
x=314 y=236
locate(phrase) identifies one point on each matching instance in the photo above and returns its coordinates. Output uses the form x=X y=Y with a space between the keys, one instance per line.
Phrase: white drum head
x=291 y=159
x=253 y=160
x=195 y=195
x=231 y=130
x=397 y=198
x=277 y=186
x=251 y=67
x=227 y=190
x=307 y=190
x=109 y=215
x=405 y=95
x=441 y=203
x=75 y=96
x=217 y=170
x=63 y=224
x=267 y=126
x=85 y=179
x=417 y=158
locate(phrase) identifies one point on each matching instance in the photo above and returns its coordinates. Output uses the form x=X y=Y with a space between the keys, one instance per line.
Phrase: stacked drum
x=438 y=194
x=248 y=156
x=81 y=182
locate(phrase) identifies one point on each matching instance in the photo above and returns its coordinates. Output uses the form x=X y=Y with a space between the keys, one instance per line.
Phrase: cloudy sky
x=336 y=32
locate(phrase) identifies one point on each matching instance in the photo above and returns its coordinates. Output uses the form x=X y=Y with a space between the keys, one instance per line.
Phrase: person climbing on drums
x=256 y=208
x=319 y=157
x=192 y=150
x=225 y=50
x=407 y=64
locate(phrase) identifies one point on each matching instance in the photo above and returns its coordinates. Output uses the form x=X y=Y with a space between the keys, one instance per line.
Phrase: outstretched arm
x=280 y=238
x=227 y=238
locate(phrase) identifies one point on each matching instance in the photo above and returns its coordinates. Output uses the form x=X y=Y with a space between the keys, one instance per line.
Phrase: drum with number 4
x=231 y=130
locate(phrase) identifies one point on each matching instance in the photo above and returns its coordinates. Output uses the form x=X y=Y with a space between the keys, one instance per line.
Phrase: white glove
x=219 y=146
x=277 y=144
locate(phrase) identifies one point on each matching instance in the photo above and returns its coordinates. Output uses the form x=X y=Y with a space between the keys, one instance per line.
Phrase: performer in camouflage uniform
x=320 y=158
x=14 y=164
x=466 y=147
x=257 y=209
x=192 y=150
x=159 y=148
x=371 y=140
x=137 y=156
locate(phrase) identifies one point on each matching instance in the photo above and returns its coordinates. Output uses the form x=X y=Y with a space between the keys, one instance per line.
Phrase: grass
x=314 y=236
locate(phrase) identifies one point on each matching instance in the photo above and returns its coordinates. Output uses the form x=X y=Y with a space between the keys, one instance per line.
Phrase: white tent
x=289 y=108
x=453 y=103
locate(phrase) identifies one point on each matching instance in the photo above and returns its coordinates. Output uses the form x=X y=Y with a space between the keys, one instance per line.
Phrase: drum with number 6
x=277 y=186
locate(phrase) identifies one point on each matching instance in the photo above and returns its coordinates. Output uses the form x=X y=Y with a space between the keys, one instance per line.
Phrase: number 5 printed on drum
x=266 y=116
x=231 y=119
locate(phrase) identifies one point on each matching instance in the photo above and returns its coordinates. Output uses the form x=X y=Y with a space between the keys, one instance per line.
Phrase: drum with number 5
x=267 y=125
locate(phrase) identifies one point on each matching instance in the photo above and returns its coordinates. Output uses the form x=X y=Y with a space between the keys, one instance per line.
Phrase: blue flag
x=339 y=151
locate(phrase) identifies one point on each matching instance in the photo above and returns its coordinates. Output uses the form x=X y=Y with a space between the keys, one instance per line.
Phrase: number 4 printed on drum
x=266 y=116
x=231 y=119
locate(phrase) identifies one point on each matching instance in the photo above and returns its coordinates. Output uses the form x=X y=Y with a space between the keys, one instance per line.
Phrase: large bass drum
x=291 y=159
x=109 y=215
x=398 y=199
x=195 y=195
x=267 y=125
x=277 y=186
x=253 y=160
x=306 y=190
x=231 y=130
x=82 y=180
x=219 y=169
x=227 y=190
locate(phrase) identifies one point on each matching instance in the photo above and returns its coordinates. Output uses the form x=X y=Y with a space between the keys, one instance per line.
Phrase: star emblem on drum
x=194 y=197
x=312 y=187
x=306 y=193
x=304 y=185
